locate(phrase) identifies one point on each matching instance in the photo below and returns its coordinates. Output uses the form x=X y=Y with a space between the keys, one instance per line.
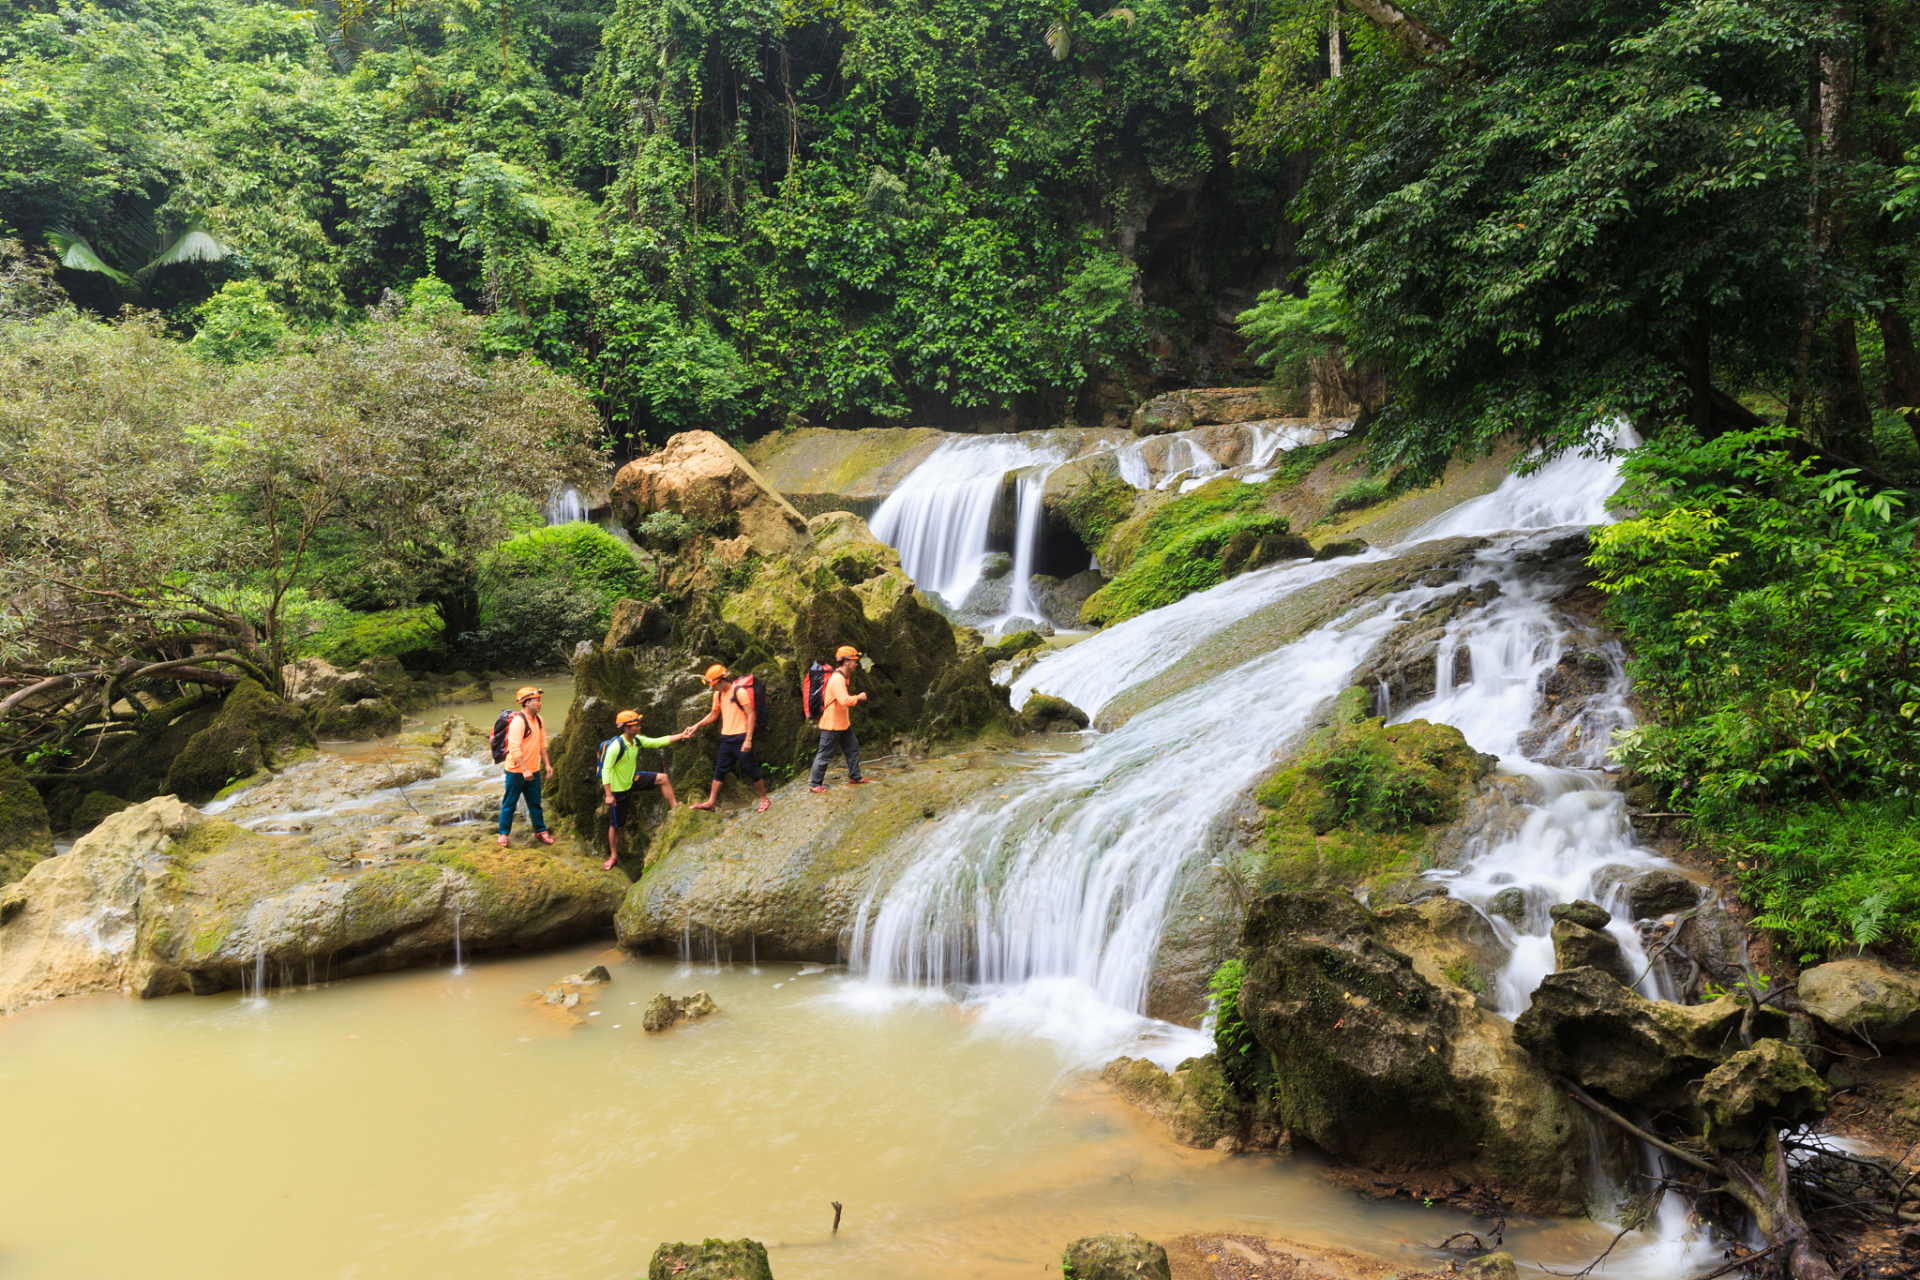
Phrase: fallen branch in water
x=1586 y=1100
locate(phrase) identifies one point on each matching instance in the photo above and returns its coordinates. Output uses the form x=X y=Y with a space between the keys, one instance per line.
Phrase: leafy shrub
x=1232 y=1038
x=1774 y=614
x=1833 y=881
x=413 y=635
x=543 y=592
x=240 y=323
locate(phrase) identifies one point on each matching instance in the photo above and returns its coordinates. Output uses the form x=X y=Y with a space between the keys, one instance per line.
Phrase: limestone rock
x=1660 y=892
x=1771 y=1081
x=1450 y=943
x=1243 y=552
x=25 y=837
x=1194 y=1101
x=1577 y=946
x=1210 y=406
x=702 y=477
x=638 y=622
x=1117 y=1255
x=850 y=550
x=1864 y=997
x=663 y=1011
x=1051 y=714
x=1588 y=915
x=596 y=975
x=1510 y=904
x=1382 y=1067
x=1060 y=599
x=711 y=1260
x=1584 y=1024
x=253 y=731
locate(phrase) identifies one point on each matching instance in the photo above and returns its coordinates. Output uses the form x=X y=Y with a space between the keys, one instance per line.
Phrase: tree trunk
x=1696 y=360
x=1903 y=367
x=1847 y=418
x=1829 y=97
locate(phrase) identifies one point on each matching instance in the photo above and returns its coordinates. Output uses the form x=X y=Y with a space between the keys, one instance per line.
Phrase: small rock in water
x=1117 y=1255
x=1510 y=904
x=597 y=974
x=1588 y=915
x=711 y=1260
x=665 y=1010
x=1661 y=892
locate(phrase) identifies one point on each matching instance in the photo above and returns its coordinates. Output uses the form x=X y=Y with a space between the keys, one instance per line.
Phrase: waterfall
x=1070 y=877
x=566 y=506
x=940 y=516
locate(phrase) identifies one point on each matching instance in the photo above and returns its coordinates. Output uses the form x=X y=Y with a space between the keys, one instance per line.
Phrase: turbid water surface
x=430 y=1124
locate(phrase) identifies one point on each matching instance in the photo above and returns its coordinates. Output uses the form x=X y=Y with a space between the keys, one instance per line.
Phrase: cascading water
x=940 y=516
x=566 y=506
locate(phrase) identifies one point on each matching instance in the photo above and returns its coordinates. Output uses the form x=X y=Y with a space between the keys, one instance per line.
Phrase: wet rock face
x=1584 y=1024
x=1383 y=1067
x=699 y=475
x=1660 y=892
x=1587 y=915
x=1745 y=1094
x=1863 y=997
x=711 y=1260
x=1406 y=660
x=1576 y=946
x=1119 y=1255
x=1049 y=714
x=1060 y=599
x=1198 y=1104
x=664 y=1011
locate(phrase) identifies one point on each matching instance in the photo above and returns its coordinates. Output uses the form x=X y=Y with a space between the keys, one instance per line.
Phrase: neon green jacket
x=623 y=758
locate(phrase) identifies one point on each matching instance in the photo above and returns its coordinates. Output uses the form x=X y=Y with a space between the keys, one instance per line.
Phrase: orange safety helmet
x=626 y=718
x=715 y=674
x=846 y=651
x=526 y=691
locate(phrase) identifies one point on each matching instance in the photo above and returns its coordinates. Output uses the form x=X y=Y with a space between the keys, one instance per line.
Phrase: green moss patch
x=412 y=634
x=1363 y=800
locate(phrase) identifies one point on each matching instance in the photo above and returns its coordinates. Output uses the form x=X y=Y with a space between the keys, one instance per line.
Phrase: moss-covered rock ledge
x=159 y=898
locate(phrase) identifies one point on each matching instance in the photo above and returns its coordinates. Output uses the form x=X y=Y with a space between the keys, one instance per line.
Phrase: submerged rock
x=711 y=1260
x=1117 y=1255
x=1381 y=1066
x=1863 y=997
x=663 y=1011
x=1744 y=1095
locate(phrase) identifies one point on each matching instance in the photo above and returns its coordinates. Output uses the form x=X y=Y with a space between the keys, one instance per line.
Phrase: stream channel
x=441 y=1122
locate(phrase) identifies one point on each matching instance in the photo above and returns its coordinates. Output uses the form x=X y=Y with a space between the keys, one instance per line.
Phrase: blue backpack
x=618 y=742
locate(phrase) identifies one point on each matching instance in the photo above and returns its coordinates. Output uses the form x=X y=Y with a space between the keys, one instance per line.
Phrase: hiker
x=525 y=757
x=624 y=781
x=836 y=726
x=737 y=705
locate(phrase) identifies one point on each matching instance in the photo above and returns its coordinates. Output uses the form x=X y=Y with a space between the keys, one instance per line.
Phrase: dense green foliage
x=412 y=634
x=544 y=591
x=1178 y=548
x=1775 y=617
x=712 y=214
x=1541 y=213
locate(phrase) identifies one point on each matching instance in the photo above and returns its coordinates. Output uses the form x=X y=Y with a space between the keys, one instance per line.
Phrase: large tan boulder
x=702 y=477
x=1864 y=997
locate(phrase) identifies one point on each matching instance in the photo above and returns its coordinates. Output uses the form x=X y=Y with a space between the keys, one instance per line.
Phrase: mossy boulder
x=367 y=701
x=1382 y=1067
x=711 y=1260
x=96 y=807
x=1045 y=712
x=1117 y=1255
x=1340 y=547
x=1364 y=801
x=25 y=836
x=1195 y=1100
x=1747 y=1094
x=254 y=731
x=1194 y=542
x=1576 y=946
x=849 y=550
x=1586 y=1025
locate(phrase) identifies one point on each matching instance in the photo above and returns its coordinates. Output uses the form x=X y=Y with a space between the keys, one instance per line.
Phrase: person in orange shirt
x=836 y=725
x=527 y=764
x=733 y=706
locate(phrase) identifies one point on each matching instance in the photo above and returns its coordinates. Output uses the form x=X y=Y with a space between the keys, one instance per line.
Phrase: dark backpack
x=618 y=742
x=499 y=742
x=813 y=689
x=761 y=716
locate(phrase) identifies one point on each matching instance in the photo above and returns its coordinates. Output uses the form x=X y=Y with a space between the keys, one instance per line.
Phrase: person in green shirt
x=624 y=781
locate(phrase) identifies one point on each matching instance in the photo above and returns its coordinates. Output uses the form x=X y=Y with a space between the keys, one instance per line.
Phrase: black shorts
x=642 y=781
x=731 y=757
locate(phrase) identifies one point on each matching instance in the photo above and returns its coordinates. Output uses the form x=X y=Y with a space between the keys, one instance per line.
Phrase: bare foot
x=764 y=805
x=607 y=865
x=705 y=806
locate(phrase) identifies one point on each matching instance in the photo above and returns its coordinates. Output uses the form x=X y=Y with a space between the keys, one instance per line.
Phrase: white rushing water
x=1050 y=899
x=940 y=517
x=566 y=506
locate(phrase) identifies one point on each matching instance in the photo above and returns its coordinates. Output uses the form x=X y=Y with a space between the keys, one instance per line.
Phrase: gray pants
x=832 y=740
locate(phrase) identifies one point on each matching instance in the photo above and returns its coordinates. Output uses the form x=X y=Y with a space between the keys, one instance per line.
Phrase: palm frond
x=191 y=245
x=76 y=253
x=1059 y=39
x=1125 y=15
